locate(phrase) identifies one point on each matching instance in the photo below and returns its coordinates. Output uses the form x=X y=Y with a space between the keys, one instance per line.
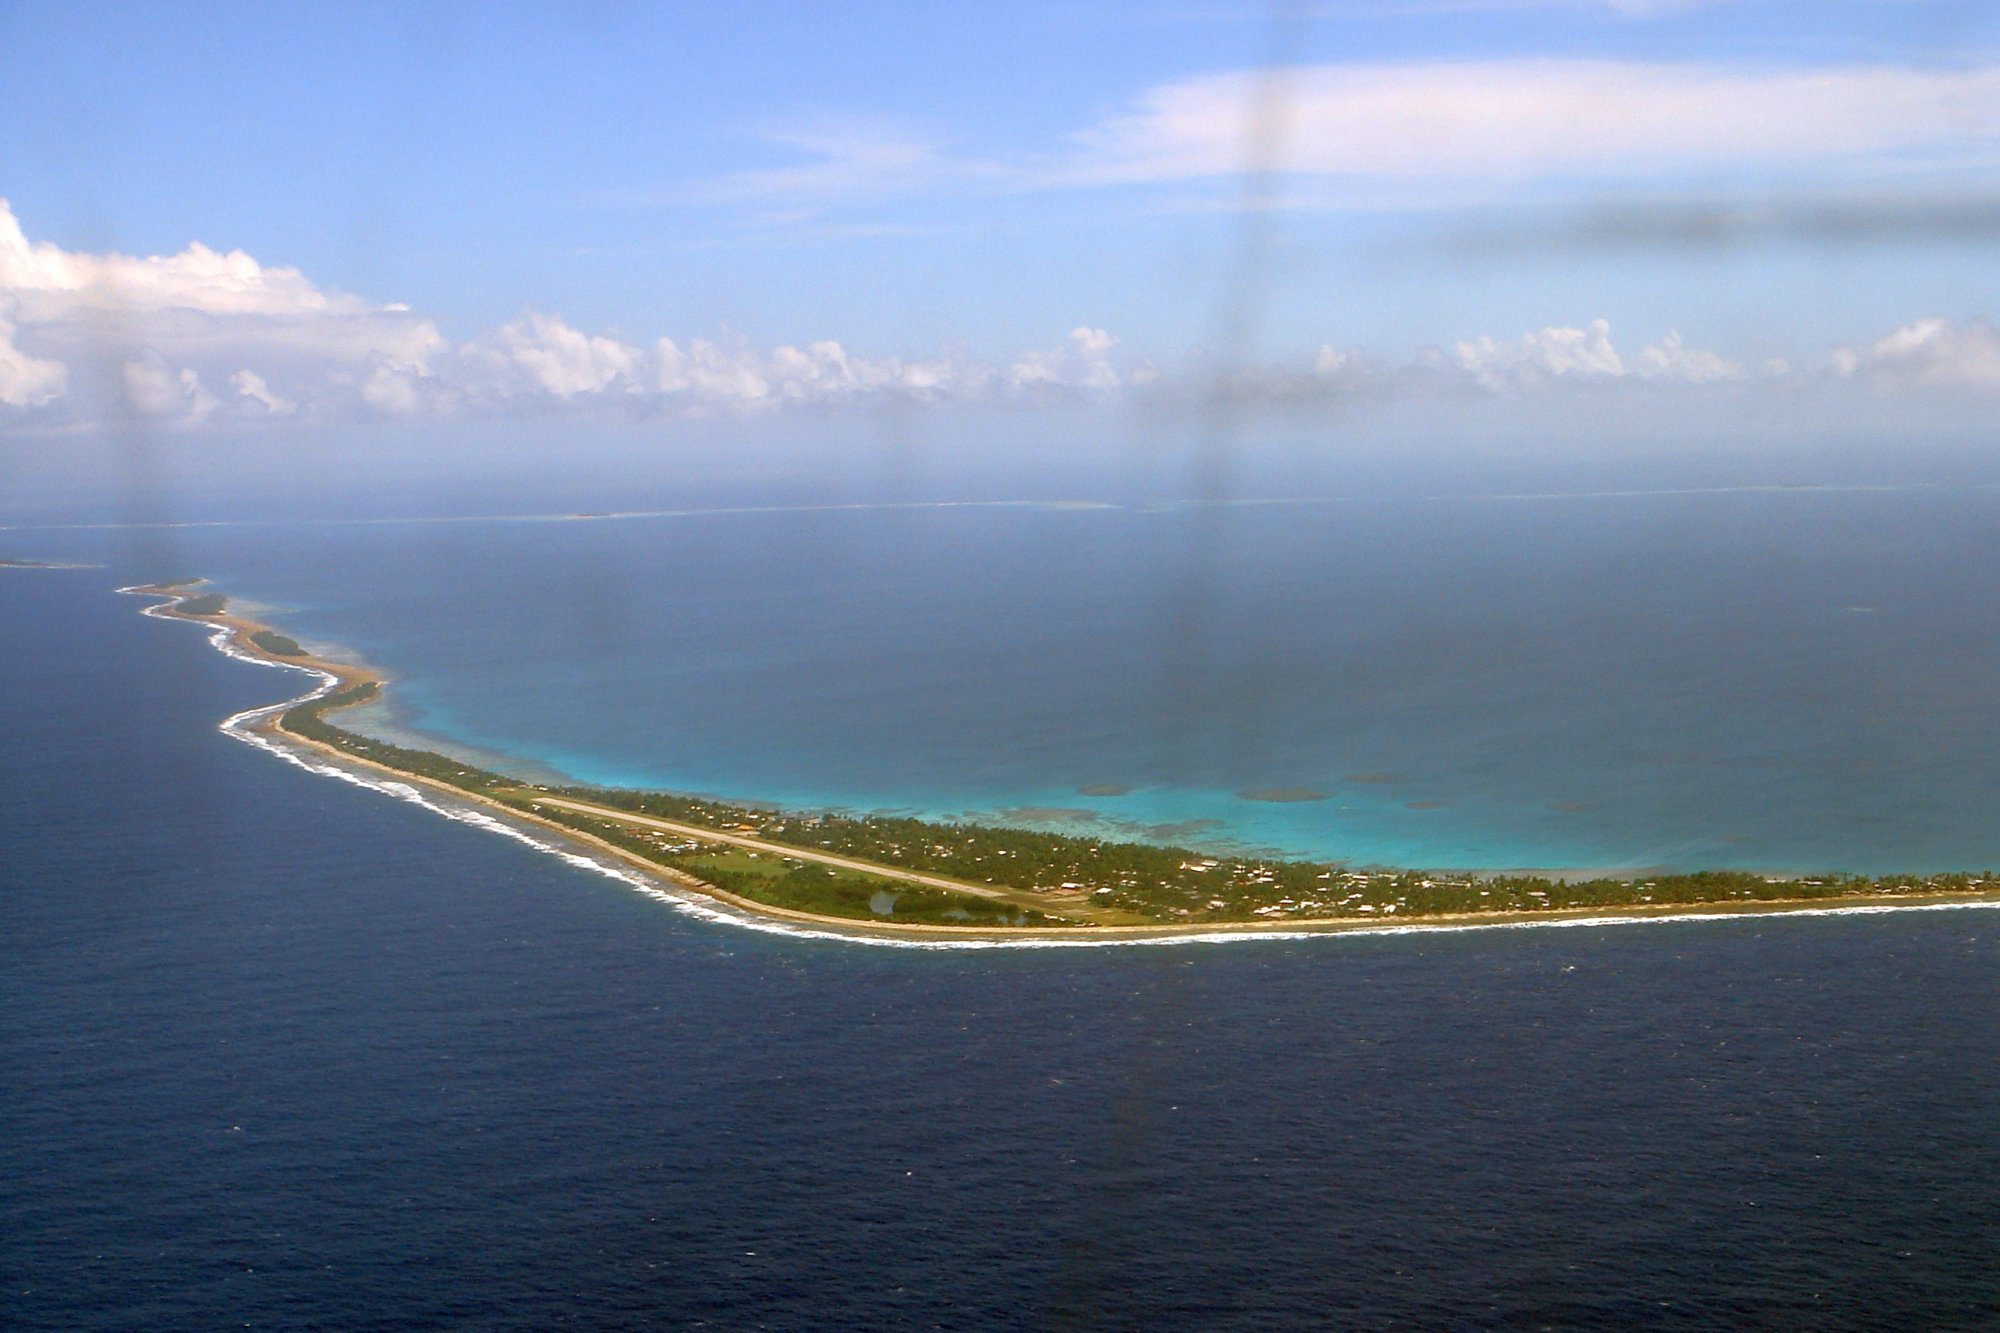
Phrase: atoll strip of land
x=900 y=874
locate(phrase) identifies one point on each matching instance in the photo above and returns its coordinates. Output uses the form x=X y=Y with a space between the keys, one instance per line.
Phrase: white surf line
x=240 y=726
x=1447 y=497
x=1057 y=505
x=1802 y=491
x=607 y=516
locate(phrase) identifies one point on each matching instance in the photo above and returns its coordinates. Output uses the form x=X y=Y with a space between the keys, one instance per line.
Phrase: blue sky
x=976 y=195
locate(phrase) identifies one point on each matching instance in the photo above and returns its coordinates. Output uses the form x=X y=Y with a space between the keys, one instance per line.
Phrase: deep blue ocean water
x=278 y=1052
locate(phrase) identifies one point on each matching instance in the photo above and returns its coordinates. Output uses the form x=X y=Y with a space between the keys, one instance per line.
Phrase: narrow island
x=878 y=873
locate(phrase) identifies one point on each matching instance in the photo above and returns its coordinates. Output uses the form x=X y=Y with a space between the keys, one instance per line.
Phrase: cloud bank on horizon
x=205 y=338
x=208 y=339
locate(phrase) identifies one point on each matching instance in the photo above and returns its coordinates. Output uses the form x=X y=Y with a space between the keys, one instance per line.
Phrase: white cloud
x=824 y=371
x=1082 y=364
x=706 y=371
x=1543 y=361
x=1032 y=368
x=1670 y=359
x=391 y=389
x=1561 y=353
x=1091 y=343
x=845 y=157
x=255 y=393
x=155 y=390
x=1927 y=353
x=125 y=319
x=1542 y=355
x=1630 y=9
x=286 y=350
x=1092 y=348
x=1517 y=119
x=1385 y=130
x=45 y=278
x=27 y=381
x=708 y=376
x=1645 y=9
x=557 y=359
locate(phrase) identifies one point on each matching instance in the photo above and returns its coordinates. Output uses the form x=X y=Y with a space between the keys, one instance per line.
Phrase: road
x=750 y=842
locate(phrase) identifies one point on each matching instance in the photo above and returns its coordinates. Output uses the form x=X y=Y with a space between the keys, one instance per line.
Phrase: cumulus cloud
x=157 y=391
x=27 y=381
x=1331 y=360
x=555 y=358
x=250 y=387
x=1082 y=363
x=705 y=371
x=542 y=358
x=1558 y=353
x=160 y=328
x=1927 y=353
x=158 y=331
x=203 y=338
x=1092 y=349
x=151 y=332
x=1091 y=343
x=705 y=375
x=392 y=389
x=45 y=278
x=1545 y=361
x=1671 y=359
x=1549 y=353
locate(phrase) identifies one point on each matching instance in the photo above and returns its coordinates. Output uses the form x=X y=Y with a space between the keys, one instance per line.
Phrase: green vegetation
x=1178 y=885
x=211 y=604
x=277 y=644
x=1141 y=881
x=803 y=886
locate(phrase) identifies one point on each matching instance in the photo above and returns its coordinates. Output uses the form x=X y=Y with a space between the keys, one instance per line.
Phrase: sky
x=228 y=219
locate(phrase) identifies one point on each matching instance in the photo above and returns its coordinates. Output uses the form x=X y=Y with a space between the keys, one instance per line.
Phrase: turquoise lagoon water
x=1783 y=679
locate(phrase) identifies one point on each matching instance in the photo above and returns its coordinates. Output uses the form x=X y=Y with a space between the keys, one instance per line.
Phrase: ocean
x=1777 y=679
x=276 y=1051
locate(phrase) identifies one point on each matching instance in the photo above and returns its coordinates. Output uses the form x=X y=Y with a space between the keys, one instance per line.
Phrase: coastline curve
x=231 y=635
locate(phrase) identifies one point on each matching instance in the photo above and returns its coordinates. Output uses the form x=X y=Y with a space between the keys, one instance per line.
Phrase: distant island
x=904 y=875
